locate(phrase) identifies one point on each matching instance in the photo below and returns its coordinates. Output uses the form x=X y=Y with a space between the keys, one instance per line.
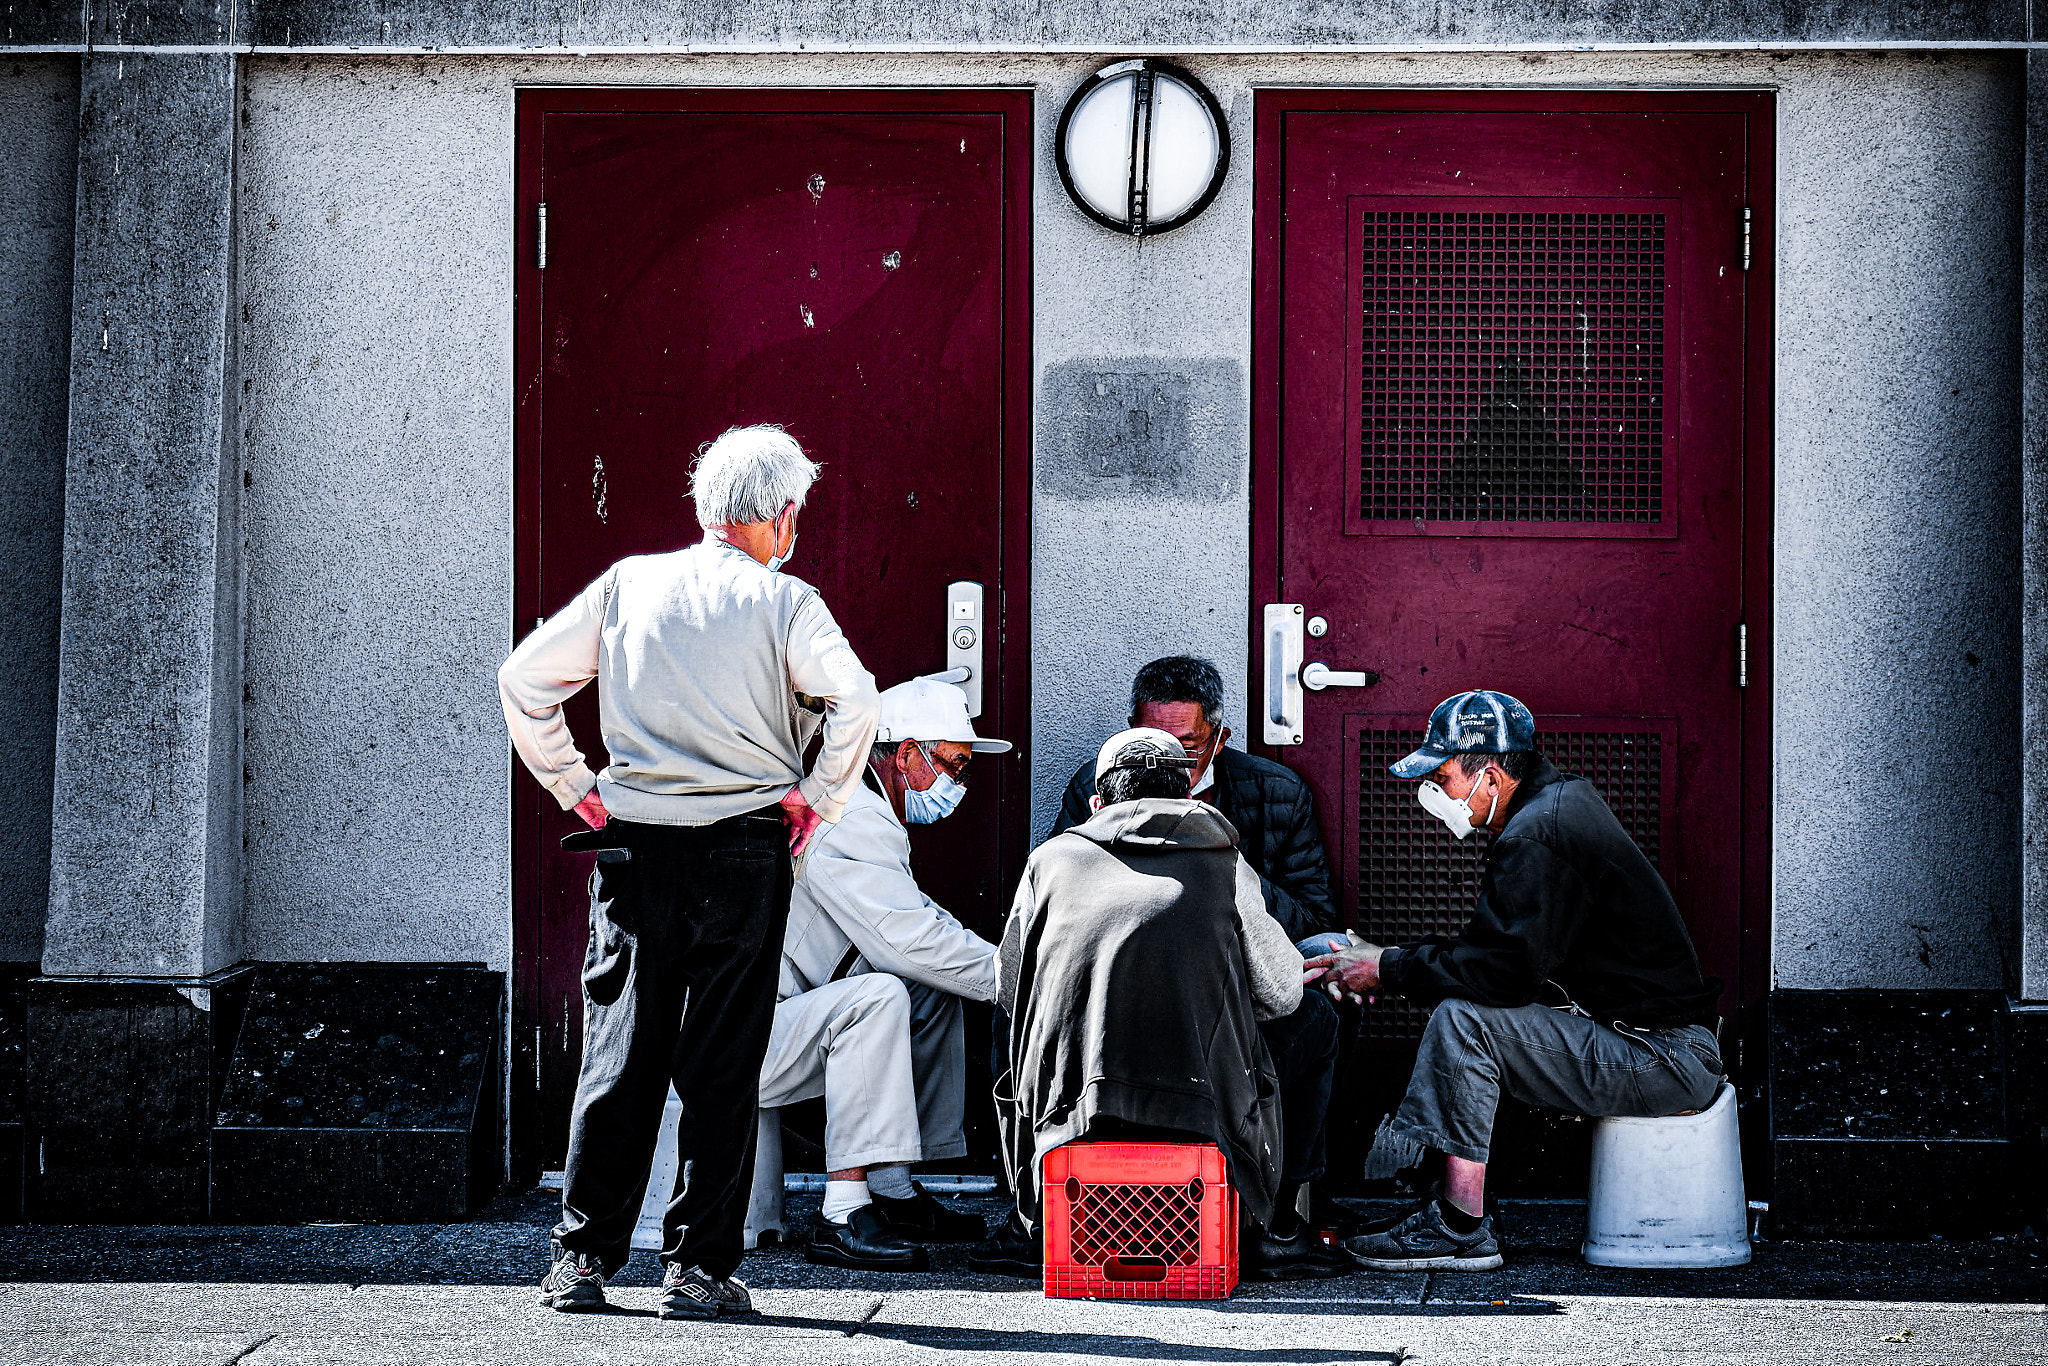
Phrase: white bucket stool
x=764 y=1207
x=1667 y=1192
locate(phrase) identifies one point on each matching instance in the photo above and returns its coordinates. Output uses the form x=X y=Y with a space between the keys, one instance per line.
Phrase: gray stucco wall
x=377 y=348
x=1898 y=526
x=376 y=354
x=39 y=110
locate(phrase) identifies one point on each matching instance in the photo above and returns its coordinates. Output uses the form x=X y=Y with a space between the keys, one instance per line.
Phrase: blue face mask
x=775 y=562
x=936 y=802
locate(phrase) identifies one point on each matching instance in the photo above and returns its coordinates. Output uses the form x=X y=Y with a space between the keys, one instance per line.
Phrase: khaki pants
x=888 y=1057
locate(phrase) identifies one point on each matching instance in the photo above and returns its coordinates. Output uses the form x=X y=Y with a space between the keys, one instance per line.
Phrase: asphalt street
x=461 y=1293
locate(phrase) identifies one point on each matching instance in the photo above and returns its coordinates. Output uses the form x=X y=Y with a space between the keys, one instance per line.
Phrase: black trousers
x=678 y=985
x=1303 y=1047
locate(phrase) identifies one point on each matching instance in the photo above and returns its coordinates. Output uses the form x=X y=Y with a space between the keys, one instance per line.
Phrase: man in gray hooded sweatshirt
x=1136 y=968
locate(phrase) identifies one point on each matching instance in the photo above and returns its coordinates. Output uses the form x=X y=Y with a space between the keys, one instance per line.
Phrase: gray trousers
x=890 y=1058
x=1471 y=1053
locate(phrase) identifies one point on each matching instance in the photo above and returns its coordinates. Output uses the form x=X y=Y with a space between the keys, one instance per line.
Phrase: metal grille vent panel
x=1512 y=367
x=1137 y=1222
x=1415 y=880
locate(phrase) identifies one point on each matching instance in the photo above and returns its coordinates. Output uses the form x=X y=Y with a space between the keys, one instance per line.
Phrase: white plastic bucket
x=661 y=1180
x=764 y=1207
x=1667 y=1192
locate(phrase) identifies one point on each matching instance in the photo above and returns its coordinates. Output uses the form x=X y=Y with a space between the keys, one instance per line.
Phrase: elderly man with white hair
x=709 y=664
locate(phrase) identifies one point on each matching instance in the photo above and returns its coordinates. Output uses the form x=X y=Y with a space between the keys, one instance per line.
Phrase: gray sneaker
x=697 y=1294
x=1422 y=1242
x=574 y=1284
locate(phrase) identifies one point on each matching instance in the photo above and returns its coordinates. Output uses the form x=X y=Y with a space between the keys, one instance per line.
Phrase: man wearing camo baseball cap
x=1574 y=986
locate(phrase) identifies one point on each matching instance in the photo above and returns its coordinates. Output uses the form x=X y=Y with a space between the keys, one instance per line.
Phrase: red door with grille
x=852 y=265
x=1512 y=432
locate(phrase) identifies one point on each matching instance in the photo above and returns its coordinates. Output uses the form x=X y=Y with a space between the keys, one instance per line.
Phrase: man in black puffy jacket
x=1575 y=986
x=1270 y=807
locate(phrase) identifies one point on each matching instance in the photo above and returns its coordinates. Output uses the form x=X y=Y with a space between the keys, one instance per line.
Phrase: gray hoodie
x=1128 y=969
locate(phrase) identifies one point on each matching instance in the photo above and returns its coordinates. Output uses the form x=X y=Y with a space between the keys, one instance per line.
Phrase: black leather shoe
x=924 y=1219
x=1011 y=1252
x=1302 y=1256
x=865 y=1242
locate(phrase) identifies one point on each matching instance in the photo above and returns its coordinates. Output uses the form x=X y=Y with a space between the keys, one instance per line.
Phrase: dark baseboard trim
x=1903 y=1114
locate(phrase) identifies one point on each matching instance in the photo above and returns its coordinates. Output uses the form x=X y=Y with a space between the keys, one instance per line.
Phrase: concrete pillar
x=129 y=1029
x=39 y=110
x=146 y=828
x=2034 y=541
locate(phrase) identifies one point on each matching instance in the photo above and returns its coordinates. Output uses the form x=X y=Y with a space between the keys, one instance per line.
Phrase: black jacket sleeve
x=1074 y=808
x=1296 y=878
x=1522 y=928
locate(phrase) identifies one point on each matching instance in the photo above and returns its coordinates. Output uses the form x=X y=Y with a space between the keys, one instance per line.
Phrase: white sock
x=843 y=1198
x=892 y=1182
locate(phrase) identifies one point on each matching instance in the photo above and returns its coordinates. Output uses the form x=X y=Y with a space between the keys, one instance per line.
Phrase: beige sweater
x=698 y=655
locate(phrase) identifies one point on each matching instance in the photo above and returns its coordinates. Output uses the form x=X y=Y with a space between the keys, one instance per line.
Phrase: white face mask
x=1453 y=813
x=1208 y=778
x=936 y=802
x=775 y=562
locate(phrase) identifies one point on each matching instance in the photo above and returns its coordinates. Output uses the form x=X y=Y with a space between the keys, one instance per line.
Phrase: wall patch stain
x=816 y=185
x=805 y=310
x=600 y=492
x=1144 y=428
x=892 y=260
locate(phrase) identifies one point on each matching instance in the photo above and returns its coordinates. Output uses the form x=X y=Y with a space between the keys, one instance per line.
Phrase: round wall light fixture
x=1142 y=147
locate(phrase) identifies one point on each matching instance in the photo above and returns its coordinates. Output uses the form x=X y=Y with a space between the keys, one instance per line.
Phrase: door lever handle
x=1317 y=676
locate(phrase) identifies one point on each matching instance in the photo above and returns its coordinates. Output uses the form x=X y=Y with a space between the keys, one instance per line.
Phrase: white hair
x=750 y=474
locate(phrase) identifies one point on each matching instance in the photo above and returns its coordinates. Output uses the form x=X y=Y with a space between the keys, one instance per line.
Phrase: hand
x=1353 y=973
x=802 y=821
x=591 y=808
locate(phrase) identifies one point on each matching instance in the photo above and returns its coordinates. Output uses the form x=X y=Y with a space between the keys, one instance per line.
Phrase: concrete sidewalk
x=465 y=1293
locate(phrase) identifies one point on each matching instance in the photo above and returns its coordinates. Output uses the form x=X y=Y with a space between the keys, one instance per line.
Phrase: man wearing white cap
x=1143 y=977
x=873 y=972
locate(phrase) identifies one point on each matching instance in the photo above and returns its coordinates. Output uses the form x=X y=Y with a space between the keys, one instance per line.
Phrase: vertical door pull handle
x=1282 y=713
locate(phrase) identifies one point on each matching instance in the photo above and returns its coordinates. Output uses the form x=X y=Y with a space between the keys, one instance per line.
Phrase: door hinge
x=1742 y=655
x=1745 y=236
x=543 y=263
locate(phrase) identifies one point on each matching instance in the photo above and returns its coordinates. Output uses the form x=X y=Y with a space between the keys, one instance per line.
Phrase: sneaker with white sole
x=697 y=1294
x=1423 y=1242
x=574 y=1284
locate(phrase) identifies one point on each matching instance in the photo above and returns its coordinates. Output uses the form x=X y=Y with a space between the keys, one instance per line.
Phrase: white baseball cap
x=1149 y=747
x=926 y=709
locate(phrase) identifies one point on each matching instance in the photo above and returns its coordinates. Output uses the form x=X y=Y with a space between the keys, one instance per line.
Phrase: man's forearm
x=549 y=667
x=1294 y=916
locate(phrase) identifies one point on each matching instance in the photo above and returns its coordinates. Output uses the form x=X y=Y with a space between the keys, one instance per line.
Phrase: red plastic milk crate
x=1139 y=1221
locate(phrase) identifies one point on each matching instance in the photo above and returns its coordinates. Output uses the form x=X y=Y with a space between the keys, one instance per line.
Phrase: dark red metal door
x=852 y=266
x=1512 y=434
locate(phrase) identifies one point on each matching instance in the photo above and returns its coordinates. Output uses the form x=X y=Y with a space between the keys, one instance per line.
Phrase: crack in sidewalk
x=258 y=1345
x=864 y=1320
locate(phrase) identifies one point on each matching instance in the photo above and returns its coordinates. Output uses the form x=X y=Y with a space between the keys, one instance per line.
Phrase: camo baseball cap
x=1478 y=722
